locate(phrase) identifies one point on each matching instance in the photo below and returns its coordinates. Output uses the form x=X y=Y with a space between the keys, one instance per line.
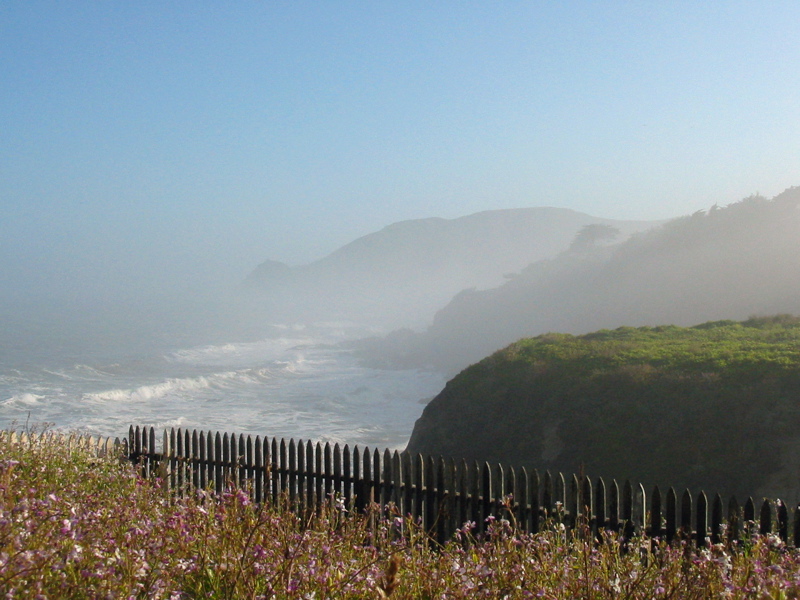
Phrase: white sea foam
x=179 y=386
x=287 y=387
x=236 y=353
x=26 y=399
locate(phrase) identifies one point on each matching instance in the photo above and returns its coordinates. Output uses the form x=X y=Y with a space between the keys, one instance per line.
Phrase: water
x=99 y=375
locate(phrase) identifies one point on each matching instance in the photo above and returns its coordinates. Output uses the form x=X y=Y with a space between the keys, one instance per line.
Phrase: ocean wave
x=181 y=385
x=26 y=399
x=236 y=352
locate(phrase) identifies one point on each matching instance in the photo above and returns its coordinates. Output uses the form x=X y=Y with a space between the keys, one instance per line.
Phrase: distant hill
x=725 y=263
x=400 y=275
x=713 y=407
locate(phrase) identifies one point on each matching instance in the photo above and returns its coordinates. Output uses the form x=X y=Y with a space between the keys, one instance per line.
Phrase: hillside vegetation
x=715 y=406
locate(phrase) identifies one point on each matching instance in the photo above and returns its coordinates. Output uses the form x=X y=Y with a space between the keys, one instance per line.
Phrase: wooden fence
x=98 y=446
x=443 y=494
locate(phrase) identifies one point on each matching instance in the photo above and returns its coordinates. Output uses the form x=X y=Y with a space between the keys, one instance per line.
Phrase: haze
x=150 y=150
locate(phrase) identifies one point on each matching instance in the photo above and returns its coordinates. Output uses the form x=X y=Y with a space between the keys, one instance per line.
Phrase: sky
x=150 y=146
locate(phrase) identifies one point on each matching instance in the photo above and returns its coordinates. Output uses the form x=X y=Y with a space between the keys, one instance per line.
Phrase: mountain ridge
x=400 y=275
x=731 y=262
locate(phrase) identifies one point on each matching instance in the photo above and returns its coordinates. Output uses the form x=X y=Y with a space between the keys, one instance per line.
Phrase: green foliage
x=705 y=407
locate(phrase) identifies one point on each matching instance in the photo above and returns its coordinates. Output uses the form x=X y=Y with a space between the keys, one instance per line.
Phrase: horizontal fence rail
x=444 y=494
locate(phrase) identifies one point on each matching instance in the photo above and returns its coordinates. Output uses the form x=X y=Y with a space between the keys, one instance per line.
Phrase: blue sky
x=148 y=145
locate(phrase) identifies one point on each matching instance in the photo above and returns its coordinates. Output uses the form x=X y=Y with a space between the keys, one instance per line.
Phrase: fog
x=733 y=262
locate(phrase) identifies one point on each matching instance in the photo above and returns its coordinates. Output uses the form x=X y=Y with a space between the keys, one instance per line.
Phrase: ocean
x=100 y=373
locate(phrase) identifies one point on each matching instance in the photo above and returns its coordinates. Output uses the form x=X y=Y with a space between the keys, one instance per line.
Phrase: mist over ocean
x=101 y=372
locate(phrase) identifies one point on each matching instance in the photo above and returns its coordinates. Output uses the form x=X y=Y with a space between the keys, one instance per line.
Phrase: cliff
x=713 y=407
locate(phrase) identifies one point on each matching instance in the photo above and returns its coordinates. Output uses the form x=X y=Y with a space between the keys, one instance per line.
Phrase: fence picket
x=291 y=467
x=601 y=516
x=338 y=474
x=347 y=477
x=783 y=521
x=797 y=526
x=443 y=486
x=523 y=501
x=716 y=520
x=441 y=493
x=218 y=458
x=765 y=518
x=366 y=474
x=734 y=522
x=408 y=483
x=225 y=469
x=258 y=479
x=547 y=496
x=701 y=517
x=654 y=527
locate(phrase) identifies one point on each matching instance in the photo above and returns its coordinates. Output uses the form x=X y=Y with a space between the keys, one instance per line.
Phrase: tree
x=592 y=235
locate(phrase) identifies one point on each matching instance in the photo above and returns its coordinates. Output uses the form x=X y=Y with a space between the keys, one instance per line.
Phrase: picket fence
x=96 y=445
x=442 y=494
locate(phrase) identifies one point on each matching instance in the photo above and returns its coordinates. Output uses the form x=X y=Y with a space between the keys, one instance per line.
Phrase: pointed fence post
x=587 y=501
x=431 y=510
x=152 y=459
x=614 y=507
x=560 y=496
x=366 y=475
x=654 y=528
x=547 y=496
x=783 y=521
x=388 y=487
x=418 y=468
x=686 y=516
x=627 y=511
x=572 y=506
x=347 y=477
x=533 y=499
x=377 y=482
x=358 y=481
x=476 y=493
x=601 y=517
x=226 y=461
x=408 y=484
x=180 y=463
x=797 y=526
x=218 y=483
x=258 y=479
x=523 y=501
x=167 y=468
x=512 y=491
x=203 y=459
x=716 y=520
x=462 y=486
x=172 y=456
x=702 y=519
x=338 y=474
x=443 y=486
x=245 y=461
x=399 y=485
x=292 y=478
x=734 y=522
x=319 y=477
x=283 y=469
x=487 y=492
x=765 y=518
